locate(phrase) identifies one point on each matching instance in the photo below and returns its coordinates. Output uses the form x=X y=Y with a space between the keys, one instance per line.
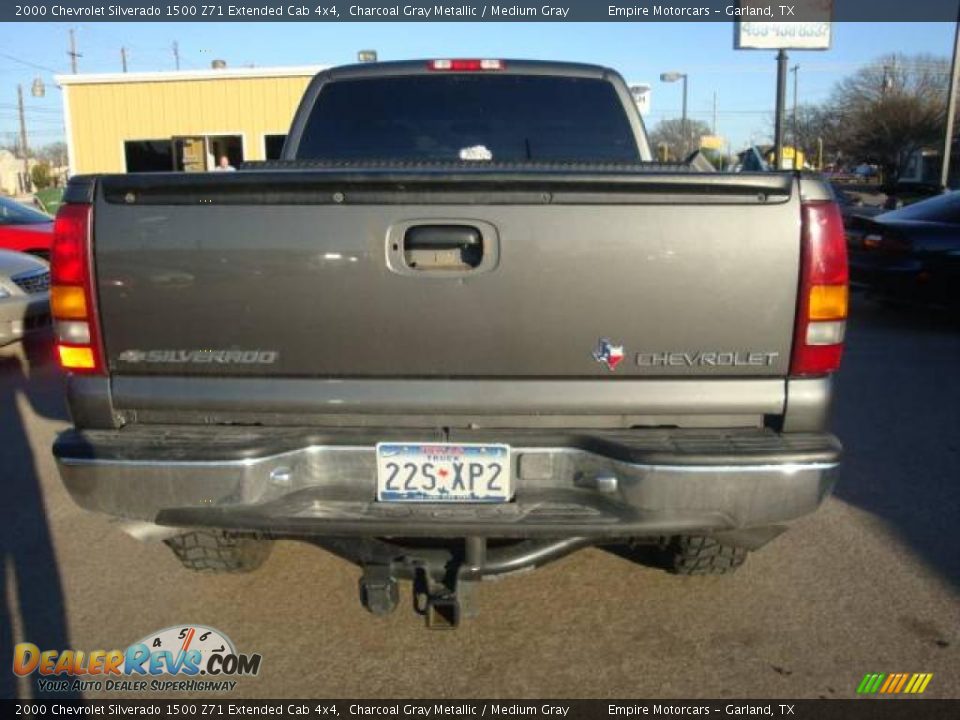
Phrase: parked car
x=24 y=296
x=506 y=334
x=911 y=254
x=24 y=229
x=852 y=206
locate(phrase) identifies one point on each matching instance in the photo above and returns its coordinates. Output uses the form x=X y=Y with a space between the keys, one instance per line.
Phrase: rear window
x=13 y=213
x=945 y=208
x=478 y=117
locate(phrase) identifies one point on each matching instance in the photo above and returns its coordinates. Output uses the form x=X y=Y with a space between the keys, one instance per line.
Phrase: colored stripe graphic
x=894 y=683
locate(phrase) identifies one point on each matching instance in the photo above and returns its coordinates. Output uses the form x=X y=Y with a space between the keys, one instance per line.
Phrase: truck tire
x=702 y=555
x=221 y=552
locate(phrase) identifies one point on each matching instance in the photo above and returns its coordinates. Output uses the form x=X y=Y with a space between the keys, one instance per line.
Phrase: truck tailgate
x=317 y=275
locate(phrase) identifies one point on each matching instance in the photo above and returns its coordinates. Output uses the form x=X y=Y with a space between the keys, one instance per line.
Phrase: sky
x=743 y=81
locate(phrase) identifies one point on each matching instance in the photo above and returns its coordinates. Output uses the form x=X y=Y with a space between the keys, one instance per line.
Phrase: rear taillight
x=822 y=305
x=888 y=243
x=466 y=65
x=72 y=300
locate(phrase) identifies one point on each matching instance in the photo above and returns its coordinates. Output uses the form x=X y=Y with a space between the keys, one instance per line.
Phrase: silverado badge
x=609 y=354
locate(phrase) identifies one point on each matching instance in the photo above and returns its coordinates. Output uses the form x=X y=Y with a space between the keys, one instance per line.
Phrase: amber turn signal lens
x=76 y=358
x=68 y=302
x=828 y=302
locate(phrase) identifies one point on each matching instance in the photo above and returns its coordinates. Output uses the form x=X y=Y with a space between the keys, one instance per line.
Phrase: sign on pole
x=812 y=34
x=641 y=97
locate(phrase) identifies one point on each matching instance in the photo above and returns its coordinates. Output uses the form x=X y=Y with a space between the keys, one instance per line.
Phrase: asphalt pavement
x=870 y=583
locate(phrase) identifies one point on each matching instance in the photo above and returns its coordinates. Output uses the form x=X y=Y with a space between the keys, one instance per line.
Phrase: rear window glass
x=462 y=116
x=13 y=213
x=945 y=208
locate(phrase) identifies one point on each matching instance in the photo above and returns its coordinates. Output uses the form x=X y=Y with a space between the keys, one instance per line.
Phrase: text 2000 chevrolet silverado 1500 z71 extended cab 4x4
x=463 y=327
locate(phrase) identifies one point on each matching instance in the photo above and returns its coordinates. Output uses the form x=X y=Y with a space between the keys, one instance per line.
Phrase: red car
x=24 y=229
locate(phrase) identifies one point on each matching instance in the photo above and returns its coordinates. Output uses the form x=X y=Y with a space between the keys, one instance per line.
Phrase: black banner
x=473 y=11
x=865 y=709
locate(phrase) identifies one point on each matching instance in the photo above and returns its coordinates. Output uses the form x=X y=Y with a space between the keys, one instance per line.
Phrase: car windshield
x=13 y=213
x=943 y=208
x=469 y=117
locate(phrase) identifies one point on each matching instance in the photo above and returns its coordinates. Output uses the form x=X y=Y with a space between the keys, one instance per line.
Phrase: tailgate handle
x=442 y=247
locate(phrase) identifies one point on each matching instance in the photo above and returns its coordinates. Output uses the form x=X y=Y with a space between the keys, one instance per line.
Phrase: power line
x=48 y=111
x=28 y=63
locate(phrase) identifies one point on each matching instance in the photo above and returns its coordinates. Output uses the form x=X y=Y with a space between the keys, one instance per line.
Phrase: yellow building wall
x=103 y=116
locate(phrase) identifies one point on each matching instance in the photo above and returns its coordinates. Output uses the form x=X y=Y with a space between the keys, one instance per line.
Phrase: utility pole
x=23 y=140
x=951 y=108
x=781 y=108
x=72 y=52
x=796 y=79
x=176 y=54
x=123 y=58
x=887 y=82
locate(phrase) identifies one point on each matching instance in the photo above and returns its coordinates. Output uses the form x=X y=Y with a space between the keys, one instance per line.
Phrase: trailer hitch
x=445 y=575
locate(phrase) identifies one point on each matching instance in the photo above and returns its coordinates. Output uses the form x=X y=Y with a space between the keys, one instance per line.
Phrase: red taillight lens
x=466 y=65
x=68 y=264
x=71 y=295
x=822 y=304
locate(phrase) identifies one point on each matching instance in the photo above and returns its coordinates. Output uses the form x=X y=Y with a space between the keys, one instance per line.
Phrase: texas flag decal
x=609 y=354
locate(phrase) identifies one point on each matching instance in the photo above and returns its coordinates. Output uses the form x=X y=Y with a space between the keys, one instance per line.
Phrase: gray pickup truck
x=464 y=327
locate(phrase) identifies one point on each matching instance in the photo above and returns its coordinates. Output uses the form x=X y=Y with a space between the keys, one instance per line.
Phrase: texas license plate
x=443 y=472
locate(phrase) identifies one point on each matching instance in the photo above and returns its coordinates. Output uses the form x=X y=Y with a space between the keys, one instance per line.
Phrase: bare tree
x=669 y=134
x=889 y=109
x=54 y=153
x=816 y=124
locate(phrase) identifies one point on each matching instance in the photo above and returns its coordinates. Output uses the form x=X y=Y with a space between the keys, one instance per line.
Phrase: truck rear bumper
x=594 y=484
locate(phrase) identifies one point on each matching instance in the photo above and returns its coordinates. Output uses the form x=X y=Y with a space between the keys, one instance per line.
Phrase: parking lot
x=868 y=584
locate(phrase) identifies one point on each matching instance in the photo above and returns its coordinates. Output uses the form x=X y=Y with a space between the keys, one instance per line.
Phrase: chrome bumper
x=596 y=485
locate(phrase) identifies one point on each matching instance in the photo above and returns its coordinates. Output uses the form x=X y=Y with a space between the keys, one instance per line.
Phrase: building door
x=191 y=153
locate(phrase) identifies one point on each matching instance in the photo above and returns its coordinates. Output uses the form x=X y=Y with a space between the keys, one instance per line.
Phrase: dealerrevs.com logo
x=199 y=658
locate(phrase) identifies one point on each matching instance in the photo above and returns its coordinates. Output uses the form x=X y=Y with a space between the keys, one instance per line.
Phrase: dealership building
x=183 y=120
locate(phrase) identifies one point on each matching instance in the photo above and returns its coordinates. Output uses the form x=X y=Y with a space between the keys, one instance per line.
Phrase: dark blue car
x=911 y=254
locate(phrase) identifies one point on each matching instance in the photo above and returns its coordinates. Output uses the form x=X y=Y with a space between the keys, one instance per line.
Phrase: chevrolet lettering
x=706 y=358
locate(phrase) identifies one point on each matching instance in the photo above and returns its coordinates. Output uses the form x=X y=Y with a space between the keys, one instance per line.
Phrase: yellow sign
x=712 y=142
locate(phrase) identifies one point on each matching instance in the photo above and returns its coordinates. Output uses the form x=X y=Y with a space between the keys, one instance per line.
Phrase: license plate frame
x=476 y=480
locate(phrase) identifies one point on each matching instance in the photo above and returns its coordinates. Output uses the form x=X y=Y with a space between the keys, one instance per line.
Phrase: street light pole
x=673 y=77
x=686 y=132
x=951 y=108
x=796 y=79
x=23 y=140
x=781 y=106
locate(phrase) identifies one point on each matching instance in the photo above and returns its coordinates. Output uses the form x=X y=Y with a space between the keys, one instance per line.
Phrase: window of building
x=228 y=146
x=148 y=155
x=273 y=146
